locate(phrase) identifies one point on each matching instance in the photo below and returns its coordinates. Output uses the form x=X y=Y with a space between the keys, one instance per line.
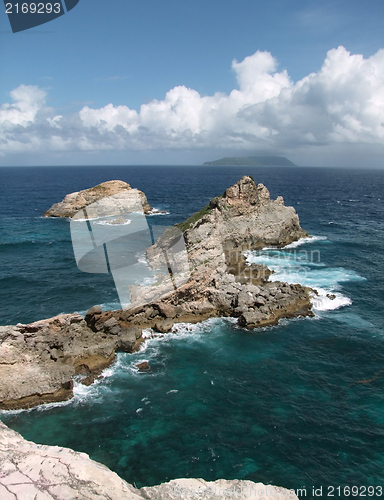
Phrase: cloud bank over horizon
x=341 y=104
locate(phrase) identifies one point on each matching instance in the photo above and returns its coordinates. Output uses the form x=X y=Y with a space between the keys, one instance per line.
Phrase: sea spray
x=307 y=268
x=296 y=404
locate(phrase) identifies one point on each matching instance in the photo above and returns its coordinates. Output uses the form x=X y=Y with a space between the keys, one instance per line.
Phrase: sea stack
x=79 y=200
x=41 y=359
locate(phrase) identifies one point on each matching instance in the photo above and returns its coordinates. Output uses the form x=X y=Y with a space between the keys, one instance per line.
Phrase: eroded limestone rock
x=30 y=471
x=79 y=200
x=40 y=360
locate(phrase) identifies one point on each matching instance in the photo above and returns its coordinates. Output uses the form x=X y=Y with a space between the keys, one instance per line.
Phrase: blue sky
x=57 y=79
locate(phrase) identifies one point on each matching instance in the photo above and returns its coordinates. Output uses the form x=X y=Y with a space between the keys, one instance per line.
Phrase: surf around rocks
x=41 y=359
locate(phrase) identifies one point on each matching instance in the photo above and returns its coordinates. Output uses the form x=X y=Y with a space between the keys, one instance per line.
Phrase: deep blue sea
x=299 y=405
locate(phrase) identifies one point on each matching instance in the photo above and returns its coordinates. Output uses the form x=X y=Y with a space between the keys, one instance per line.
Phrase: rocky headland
x=79 y=200
x=39 y=472
x=40 y=360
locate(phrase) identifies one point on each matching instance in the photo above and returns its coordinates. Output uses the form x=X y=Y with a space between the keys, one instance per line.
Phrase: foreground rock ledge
x=39 y=472
x=40 y=360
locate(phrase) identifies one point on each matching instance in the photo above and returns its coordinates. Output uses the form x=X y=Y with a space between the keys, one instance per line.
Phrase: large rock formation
x=32 y=471
x=40 y=360
x=79 y=200
x=222 y=283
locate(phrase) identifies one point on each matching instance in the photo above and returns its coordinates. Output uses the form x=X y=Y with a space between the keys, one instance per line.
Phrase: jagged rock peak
x=78 y=200
x=244 y=197
x=244 y=217
x=246 y=190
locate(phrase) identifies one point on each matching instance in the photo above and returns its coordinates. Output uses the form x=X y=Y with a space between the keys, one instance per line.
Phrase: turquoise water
x=297 y=405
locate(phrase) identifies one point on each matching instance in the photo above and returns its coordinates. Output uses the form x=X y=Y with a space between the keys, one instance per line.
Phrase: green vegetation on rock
x=183 y=226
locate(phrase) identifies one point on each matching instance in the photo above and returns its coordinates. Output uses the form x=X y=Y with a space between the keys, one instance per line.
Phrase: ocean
x=298 y=405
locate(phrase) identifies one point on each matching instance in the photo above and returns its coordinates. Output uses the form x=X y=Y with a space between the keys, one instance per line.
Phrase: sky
x=118 y=82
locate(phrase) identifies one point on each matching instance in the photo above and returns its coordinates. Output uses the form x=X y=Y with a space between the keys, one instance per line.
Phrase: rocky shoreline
x=41 y=359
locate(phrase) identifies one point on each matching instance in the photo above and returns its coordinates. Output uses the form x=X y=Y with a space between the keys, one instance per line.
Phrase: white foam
x=111 y=370
x=304 y=241
x=79 y=219
x=305 y=268
x=187 y=332
x=110 y=223
x=327 y=300
x=294 y=244
x=142 y=259
x=80 y=394
x=147 y=333
x=81 y=391
x=156 y=211
x=147 y=281
x=43 y=407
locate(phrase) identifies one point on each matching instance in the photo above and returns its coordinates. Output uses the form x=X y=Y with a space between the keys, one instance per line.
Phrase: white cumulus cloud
x=27 y=101
x=343 y=103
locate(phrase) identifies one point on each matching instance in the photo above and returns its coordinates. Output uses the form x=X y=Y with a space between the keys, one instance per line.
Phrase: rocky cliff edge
x=39 y=472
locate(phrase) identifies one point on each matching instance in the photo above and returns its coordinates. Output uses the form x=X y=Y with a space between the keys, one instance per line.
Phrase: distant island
x=252 y=161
